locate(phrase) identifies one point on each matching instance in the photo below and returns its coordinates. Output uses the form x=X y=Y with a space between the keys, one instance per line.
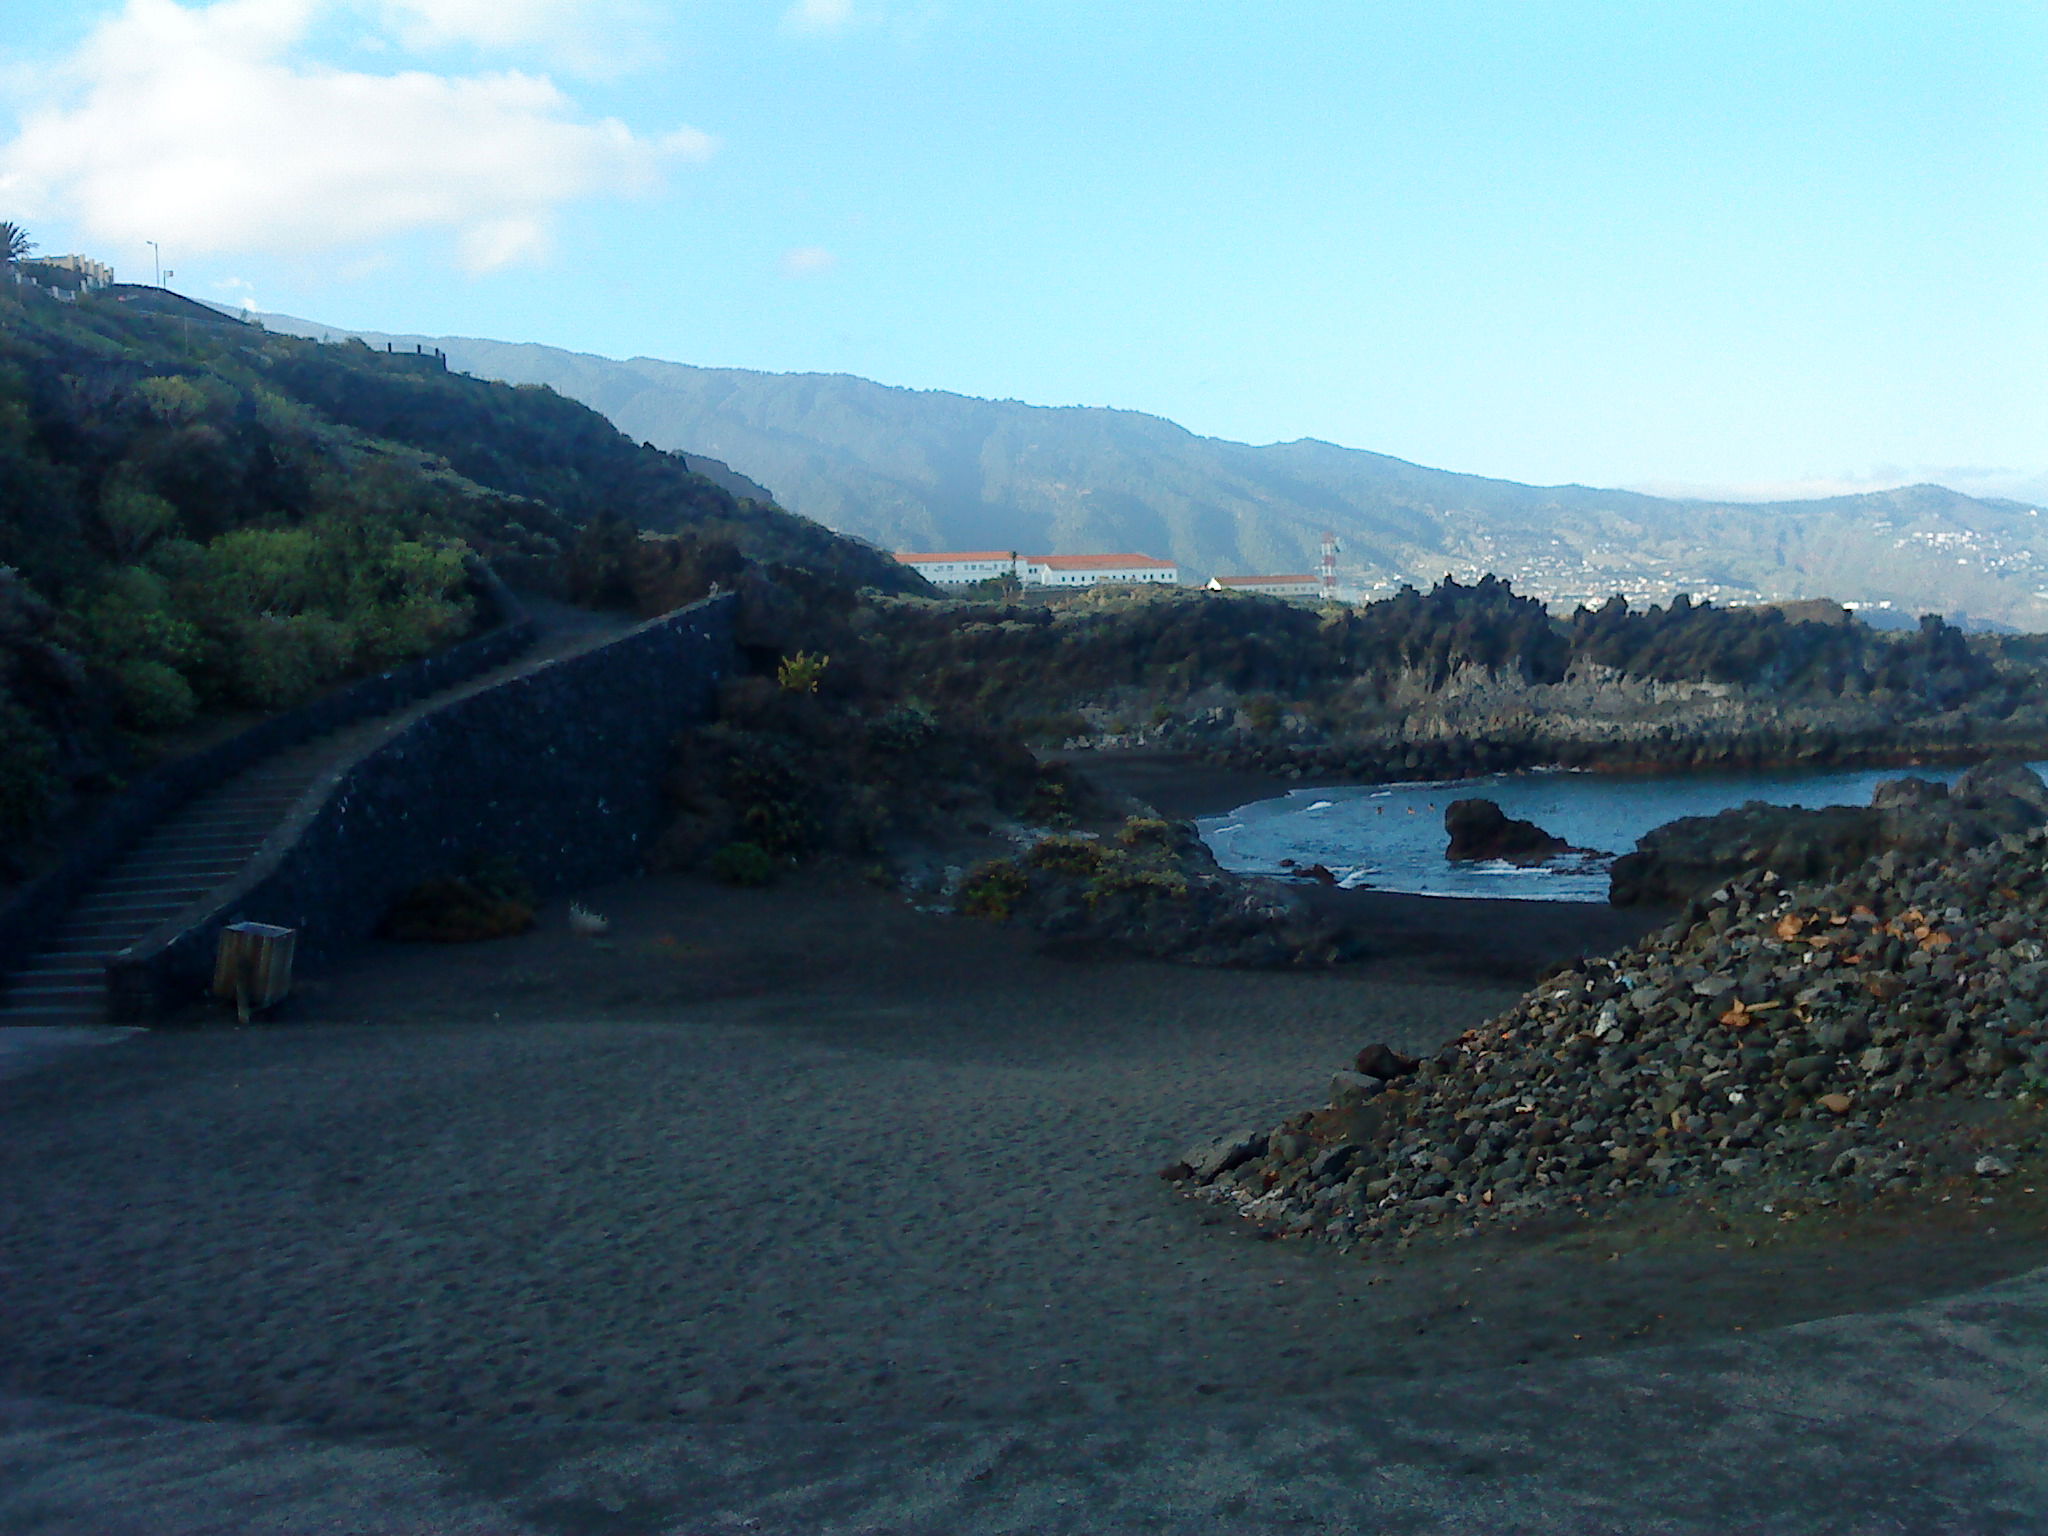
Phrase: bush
x=802 y=672
x=905 y=728
x=1066 y=856
x=992 y=890
x=743 y=864
x=28 y=779
x=154 y=696
x=490 y=901
x=1146 y=832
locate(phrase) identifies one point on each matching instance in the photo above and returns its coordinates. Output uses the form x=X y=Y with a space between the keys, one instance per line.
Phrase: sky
x=1755 y=249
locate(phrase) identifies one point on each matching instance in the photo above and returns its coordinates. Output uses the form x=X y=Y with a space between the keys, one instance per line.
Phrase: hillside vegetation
x=201 y=519
x=925 y=469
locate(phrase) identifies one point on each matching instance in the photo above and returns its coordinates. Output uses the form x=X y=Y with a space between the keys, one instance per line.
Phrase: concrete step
x=51 y=1013
x=32 y=985
x=214 y=850
x=183 y=872
x=146 y=914
x=154 y=892
x=114 y=931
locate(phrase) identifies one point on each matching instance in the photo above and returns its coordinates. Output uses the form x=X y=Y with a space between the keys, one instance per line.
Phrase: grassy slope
x=198 y=515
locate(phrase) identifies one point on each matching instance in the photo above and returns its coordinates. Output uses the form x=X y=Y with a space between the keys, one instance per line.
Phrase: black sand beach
x=762 y=1160
x=795 y=1151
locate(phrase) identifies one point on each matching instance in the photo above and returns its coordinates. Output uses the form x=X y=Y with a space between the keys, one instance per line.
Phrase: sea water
x=1391 y=837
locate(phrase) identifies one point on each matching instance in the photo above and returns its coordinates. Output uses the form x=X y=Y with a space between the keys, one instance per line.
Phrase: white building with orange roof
x=1097 y=570
x=960 y=568
x=1298 y=584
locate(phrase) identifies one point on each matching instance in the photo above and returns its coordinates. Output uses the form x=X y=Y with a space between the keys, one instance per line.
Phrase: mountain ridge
x=936 y=469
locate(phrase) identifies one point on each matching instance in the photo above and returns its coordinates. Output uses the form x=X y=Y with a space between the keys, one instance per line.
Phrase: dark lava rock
x=1785 y=1045
x=1480 y=829
x=1384 y=1063
x=1915 y=817
x=1154 y=888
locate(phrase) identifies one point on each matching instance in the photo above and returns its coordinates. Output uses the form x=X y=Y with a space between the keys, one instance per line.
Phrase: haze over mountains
x=920 y=469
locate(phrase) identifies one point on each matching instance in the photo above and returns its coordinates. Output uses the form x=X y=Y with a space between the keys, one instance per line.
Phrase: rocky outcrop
x=1676 y=861
x=1153 y=889
x=1788 y=1045
x=1480 y=829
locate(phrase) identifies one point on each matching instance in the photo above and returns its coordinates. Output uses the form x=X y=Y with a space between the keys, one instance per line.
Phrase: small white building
x=960 y=568
x=1301 y=584
x=1097 y=570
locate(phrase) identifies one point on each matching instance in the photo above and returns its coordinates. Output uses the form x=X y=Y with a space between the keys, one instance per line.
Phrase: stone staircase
x=211 y=838
x=202 y=846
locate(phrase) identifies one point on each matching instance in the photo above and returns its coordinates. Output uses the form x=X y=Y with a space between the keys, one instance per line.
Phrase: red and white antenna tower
x=1329 y=566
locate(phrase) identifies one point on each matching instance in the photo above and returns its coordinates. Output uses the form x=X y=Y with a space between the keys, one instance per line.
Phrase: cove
x=1390 y=837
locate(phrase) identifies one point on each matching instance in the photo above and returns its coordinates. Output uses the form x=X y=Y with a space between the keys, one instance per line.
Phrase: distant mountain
x=921 y=469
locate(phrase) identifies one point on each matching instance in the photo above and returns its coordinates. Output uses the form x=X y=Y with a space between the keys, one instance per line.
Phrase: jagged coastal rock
x=1153 y=888
x=1784 y=1045
x=1680 y=859
x=1480 y=829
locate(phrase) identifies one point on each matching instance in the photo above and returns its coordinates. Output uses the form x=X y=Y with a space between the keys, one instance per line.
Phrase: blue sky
x=1766 y=248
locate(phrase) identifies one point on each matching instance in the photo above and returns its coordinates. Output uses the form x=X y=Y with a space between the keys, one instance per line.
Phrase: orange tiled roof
x=1099 y=562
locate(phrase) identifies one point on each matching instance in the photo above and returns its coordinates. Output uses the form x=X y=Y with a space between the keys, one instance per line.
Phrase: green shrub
x=490 y=900
x=153 y=696
x=1146 y=832
x=905 y=728
x=1066 y=856
x=1125 y=874
x=28 y=779
x=992 y=890
x=743 y=864
x=802 y=672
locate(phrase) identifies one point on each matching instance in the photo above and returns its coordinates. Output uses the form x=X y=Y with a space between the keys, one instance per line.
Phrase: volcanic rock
x=1784 y=1045
x=1480 y=829
x=1682 y=858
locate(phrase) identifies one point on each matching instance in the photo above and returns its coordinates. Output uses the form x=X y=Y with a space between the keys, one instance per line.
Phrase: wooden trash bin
x=254 y=965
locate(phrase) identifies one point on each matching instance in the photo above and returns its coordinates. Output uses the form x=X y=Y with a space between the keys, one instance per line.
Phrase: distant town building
x=1298 y=584
x=962 y=568
x=1097 y=570
x=959 y=568
x=66 y=276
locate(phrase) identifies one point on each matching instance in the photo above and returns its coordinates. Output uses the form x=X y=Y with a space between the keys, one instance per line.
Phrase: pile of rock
x=1782 y=1045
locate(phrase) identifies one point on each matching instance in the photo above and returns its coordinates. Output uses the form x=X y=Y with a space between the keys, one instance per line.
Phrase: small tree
x=15 y=244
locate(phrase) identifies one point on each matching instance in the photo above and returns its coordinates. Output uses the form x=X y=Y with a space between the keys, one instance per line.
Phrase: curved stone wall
x=35 y=910
x=558 y=767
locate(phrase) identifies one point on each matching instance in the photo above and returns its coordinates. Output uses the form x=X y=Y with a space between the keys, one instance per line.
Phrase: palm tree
x=15 y=244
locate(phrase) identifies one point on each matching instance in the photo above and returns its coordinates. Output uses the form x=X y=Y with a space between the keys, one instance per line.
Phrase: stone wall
x=34 y=911
x=558 y=768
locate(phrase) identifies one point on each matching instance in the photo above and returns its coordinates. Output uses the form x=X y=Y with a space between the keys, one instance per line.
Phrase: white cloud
x=818 y=15
x=808 y=261
x=585 y=36
x=197 y=128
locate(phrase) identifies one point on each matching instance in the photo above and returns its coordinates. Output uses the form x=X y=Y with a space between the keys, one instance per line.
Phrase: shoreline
x=1183 y=786
x=1502 y=939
